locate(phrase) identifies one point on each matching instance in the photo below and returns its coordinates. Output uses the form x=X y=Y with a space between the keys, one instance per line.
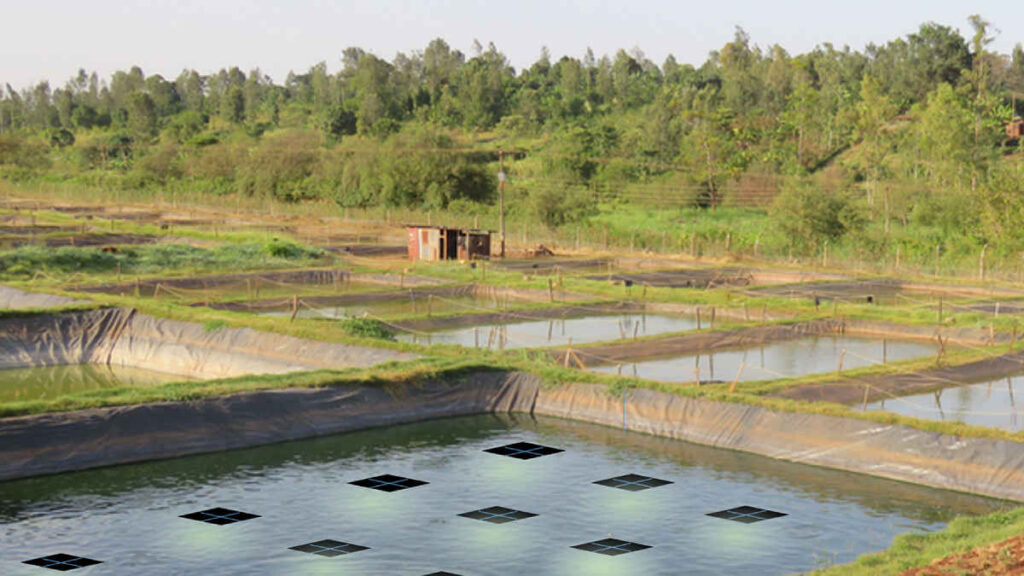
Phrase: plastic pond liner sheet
x=457 y=496
x=50 y=382
x=14 y=299
x=119 y=337
x=556 y=331
x=779 y=359
x=996 y=404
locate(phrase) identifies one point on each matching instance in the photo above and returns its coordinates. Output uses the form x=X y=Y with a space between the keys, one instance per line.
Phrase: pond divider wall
x=311 y=276
x=704 y=342
x=122 y=337
x=54 y=443
x=481 y=291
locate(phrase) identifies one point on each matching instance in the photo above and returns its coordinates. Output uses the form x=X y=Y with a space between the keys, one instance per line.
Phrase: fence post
x=839 y=367
x=981 y=263
x=295 y=307
x=732 y=387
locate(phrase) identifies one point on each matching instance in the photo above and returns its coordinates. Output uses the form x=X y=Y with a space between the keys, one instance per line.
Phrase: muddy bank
x=703 y=278
x=84 y=240
x=556 y=313
x=495 y=294
x=55 y=443
x=243 y=280
x=121 y=337
x=624 y=352
x=699 y=342
x=890 y=385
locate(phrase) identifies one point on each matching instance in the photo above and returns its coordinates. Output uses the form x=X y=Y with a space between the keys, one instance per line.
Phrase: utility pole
x=501 y=202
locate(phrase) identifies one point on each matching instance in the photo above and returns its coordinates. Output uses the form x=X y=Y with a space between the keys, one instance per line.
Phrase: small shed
x=1015 y=129
x=431 y=243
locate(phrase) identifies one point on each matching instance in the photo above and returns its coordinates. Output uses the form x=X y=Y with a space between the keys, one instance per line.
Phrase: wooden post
x=476 y=336
x=698 y=318
x=551 y=290
x=732 y=387
x=295 y=307
x=712 y=325
x=864 y=403
x=636 y=330
x=839 y=368
x=1013 y=337
x=156 y=291
x=885 y=351
x=981 y=263
x=746 y=312
x=568 y=353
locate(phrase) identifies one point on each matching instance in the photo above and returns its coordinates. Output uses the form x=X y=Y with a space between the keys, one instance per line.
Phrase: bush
x=563 y=205
x=808 y=216
x=367 y=328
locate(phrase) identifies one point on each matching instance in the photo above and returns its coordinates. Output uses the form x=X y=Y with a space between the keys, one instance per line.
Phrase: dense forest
x=833 y=143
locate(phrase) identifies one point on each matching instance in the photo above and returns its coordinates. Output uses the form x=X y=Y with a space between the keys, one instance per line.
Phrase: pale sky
x=51 y=39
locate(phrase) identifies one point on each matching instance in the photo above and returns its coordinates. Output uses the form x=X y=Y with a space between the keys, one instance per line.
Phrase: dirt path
x=1005 y=558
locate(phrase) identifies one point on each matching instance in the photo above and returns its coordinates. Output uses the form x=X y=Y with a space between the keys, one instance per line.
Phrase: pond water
x=130 y=518
x=49 y=382
x=781 y=359
x=996 y=404
x=556 y=332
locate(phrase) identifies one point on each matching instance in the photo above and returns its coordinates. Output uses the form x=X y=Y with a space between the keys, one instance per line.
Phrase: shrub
x=367 y=328
x=808 y=216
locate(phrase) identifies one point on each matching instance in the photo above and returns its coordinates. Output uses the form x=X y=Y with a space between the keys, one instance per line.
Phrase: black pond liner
x=497 y=515
x=747 y=514
x=329 y=548
x=633 y=482
x=220 y=516
x=524 y=450
x=611 y=547
x=62 y=562
x=388 y=483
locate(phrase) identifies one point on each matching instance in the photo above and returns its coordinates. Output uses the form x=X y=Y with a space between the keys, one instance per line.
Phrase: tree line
x=908 y=130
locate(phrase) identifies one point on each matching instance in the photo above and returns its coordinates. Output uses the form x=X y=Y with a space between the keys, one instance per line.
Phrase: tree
x=232 y=105
x=143 y=121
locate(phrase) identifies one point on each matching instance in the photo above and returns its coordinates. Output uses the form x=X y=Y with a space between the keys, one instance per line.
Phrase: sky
x=52 y=39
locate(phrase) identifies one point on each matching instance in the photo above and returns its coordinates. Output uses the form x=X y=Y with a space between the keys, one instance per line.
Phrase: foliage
x=809 y=216
x=910 y=130
x=367 y=328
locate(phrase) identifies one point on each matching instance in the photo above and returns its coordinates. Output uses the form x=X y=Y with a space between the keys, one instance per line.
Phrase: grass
x=915 y=550
x=26 y=262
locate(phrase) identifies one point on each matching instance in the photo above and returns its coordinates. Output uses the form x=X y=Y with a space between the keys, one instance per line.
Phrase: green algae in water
x=50 y=382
